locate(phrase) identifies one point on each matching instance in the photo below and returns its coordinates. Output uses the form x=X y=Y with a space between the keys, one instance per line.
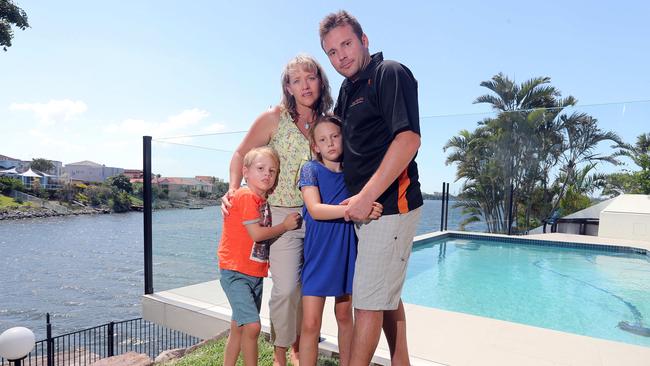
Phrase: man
x=379 y=108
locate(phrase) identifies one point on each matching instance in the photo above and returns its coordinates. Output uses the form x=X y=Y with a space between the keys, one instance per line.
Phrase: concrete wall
x=624 y=225
x=88 y=173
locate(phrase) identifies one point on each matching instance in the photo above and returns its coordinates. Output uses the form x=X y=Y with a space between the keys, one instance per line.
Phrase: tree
x=42 y=165
x=528 y=142
x=8 y=184
x=10 y=14
x=121 y=202
x=121 y=183
x=635 y=181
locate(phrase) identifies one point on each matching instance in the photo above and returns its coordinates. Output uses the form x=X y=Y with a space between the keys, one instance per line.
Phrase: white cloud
x=176 y=124
x=186 y=118
x=214 y=128
x=53 y=111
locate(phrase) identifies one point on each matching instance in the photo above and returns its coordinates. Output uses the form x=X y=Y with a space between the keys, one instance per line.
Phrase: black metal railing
x=115 y=338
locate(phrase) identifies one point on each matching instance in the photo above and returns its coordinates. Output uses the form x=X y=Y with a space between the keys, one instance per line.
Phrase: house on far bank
x=180 y=188
x=21 y=169
x=134 y=174
x=91 y=172
x=7 y=162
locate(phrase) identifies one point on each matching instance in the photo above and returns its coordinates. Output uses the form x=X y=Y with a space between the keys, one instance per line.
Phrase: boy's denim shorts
x=244 y=294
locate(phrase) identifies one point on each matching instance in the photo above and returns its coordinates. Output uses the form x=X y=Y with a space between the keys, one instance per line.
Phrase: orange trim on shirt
x=403 y=182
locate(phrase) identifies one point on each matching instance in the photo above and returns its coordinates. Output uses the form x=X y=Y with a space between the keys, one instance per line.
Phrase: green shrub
x=121 y=202
x=8 y=184
x=98 y=195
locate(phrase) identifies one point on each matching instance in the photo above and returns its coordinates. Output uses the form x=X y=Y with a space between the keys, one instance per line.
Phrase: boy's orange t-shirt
x=237 y=250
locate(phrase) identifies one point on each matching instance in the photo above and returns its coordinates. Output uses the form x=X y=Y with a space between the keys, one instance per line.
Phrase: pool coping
x=562 y=241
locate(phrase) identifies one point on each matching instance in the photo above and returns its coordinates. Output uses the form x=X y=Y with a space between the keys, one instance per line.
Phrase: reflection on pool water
x=583 y=291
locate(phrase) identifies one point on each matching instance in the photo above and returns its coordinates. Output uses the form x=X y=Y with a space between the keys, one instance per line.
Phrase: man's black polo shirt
x=381 y=103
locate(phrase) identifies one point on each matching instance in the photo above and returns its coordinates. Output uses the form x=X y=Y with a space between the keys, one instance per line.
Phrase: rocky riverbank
x=35 y=212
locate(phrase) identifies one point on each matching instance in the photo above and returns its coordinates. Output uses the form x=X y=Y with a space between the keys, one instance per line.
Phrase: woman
x=305 y=97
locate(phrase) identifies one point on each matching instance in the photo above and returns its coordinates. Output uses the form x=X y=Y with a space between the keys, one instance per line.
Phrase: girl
x=330 y=247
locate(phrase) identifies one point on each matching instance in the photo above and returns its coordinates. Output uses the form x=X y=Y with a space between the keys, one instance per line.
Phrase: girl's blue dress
x=330 y=245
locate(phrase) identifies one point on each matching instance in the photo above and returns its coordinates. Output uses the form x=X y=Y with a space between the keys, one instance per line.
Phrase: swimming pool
x=577 y=289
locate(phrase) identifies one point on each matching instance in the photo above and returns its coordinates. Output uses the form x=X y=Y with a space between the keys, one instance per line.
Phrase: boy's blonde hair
x=261 y=151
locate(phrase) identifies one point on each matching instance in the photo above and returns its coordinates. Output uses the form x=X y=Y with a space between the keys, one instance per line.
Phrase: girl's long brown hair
x=328 y=118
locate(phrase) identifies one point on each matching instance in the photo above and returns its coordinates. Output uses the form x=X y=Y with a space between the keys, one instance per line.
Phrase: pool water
x=575 y=290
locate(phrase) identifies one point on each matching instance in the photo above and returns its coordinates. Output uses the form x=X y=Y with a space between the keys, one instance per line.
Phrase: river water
x=88 y=270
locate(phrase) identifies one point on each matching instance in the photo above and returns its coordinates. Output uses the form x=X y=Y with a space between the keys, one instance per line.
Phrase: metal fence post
x=49 y=342
x=442 y=208
x=147 y=198
x=110 y=336
x=447 y=207
x=512 y=188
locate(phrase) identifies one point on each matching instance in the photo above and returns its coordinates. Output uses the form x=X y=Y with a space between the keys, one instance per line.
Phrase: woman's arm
x=259 y=135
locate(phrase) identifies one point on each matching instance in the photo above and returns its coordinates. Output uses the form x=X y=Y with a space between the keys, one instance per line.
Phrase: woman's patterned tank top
x=293 y=148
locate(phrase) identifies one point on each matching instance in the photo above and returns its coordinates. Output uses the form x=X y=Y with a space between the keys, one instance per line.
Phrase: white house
x=7 y=162
x=88 y=171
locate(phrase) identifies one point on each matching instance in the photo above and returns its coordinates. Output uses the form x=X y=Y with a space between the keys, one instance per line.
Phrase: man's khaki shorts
x=382 y=257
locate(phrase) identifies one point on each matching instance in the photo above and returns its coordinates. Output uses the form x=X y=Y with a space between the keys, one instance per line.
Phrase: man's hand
x=359 y=208
x=225 y=202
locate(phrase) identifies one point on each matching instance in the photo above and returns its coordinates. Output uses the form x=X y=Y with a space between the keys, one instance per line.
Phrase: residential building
x=133 y=174
x=91 y=172
x=179 y=188
x=7 y=162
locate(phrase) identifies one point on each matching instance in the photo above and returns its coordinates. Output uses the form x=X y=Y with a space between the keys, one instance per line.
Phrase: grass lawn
x=212 y=355
x=8 y=202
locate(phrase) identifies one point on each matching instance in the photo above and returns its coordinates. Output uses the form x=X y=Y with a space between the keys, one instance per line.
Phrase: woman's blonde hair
x=306 y=62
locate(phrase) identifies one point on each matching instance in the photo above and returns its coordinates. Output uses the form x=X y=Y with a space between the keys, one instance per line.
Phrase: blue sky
x=90 y=78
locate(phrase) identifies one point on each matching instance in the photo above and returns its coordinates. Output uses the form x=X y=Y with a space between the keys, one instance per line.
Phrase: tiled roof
x=86 y=163
x=182 y=181
x=5 y=157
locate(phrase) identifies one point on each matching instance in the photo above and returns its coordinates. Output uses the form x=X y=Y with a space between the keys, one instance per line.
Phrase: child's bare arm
x=377 y=209
x=318 y=210
x=259 y=232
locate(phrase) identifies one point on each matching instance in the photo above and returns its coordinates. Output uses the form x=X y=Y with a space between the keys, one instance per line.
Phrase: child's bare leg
x=295 y=352
x=343 y=312
x=312 y=316
x=233 y=345
x=249 y=336
x=280 y=356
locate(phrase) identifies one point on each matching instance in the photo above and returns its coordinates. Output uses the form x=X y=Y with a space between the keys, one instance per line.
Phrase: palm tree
x=524 y=114
x=581 y=138
x=522 y=147
x=632 y=182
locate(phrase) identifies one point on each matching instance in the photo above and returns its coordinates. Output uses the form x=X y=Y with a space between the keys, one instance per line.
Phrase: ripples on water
x=88 y=270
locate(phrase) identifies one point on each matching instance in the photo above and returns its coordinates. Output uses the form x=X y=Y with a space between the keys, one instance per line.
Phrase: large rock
x=169 y=355
x=127 y=359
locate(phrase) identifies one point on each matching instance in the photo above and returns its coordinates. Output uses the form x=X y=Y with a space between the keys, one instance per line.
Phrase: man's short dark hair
x=338 y=19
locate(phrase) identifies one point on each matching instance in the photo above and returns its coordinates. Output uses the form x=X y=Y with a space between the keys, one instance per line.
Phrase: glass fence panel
x=507 y=172
x=189 y=176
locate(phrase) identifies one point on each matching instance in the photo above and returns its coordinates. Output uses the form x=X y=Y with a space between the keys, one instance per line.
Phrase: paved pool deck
x=435 y=337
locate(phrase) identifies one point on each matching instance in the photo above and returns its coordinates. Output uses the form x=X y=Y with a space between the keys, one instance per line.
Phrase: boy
x=244 y=252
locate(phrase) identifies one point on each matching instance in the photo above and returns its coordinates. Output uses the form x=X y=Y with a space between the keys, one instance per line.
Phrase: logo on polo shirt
x=358 y=101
